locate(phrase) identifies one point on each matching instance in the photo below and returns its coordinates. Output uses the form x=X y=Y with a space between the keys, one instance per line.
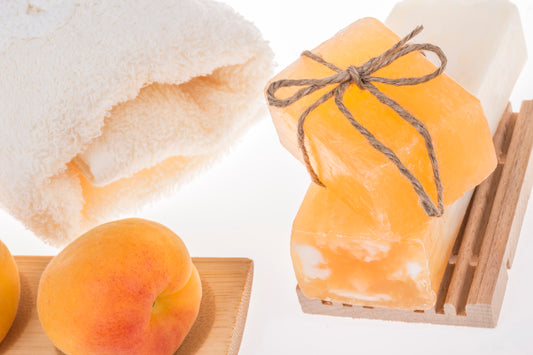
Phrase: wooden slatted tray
x=226 y=283
x=474 y=283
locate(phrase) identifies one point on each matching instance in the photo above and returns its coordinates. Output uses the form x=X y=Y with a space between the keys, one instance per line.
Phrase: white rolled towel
x=105 y=105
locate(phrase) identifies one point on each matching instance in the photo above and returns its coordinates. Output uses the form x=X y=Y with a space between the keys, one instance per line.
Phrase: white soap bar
x=483 y=40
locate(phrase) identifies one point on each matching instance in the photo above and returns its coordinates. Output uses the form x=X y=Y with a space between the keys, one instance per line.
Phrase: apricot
x=9 y=290
x=125 y=287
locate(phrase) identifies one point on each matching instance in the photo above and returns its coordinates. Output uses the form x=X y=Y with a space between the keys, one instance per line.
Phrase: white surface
x=245 y=205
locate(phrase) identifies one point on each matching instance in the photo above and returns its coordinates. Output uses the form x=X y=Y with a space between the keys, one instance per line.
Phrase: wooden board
x=226 y=282
x=474 y=283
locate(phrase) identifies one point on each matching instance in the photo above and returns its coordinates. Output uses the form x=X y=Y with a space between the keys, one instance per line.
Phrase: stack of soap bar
x=336 y=255
x=370 y=254
x=363 y=176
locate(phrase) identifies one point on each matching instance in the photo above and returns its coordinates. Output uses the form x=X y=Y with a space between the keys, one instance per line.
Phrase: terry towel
x=106 y=105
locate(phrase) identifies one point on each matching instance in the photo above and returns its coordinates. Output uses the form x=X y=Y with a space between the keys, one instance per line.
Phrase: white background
x=244 y=206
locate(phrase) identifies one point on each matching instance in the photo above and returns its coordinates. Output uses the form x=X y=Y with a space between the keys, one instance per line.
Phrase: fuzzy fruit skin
x=9 y=290
x=125 y=287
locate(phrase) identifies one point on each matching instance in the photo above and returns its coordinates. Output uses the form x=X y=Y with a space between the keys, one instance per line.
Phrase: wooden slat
x=226 y=282
x=491 y=259
x=476 y=224
x=474 y=283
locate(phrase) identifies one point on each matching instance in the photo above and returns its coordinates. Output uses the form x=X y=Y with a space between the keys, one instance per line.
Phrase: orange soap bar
x=363 y=177
x=337 y=255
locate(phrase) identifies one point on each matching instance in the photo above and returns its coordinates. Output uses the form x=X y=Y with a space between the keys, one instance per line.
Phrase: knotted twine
x=362 y=77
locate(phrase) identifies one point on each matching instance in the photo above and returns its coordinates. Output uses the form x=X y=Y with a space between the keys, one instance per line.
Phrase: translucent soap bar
x=337 y=255
x=359 y=174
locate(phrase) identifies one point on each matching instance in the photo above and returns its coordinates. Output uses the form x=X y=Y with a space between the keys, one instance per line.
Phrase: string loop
x=362 y=77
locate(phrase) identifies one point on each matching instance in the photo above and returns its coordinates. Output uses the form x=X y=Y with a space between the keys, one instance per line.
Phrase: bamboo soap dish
x=473 y=286
x=226 y=283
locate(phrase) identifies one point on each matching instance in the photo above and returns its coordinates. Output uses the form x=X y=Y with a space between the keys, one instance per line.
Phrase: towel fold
x=105 y=105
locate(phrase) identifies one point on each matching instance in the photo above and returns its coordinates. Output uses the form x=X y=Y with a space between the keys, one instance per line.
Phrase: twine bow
x=362 y=77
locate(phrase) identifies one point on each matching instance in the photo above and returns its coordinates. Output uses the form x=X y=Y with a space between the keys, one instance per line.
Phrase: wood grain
x=227 y=285
x=474 y=283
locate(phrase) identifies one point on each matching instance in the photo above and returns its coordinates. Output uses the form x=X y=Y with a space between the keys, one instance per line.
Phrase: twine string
x=362 y=77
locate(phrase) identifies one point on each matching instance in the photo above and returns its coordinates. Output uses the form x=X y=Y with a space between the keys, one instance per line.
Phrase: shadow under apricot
x=203 y=324
x=24 y=314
